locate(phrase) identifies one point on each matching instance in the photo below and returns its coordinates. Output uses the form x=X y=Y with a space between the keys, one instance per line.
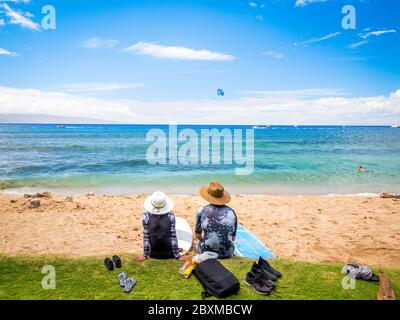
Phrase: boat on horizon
x=397 y=126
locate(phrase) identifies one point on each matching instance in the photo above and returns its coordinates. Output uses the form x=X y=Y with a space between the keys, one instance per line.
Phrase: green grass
x=87 y=278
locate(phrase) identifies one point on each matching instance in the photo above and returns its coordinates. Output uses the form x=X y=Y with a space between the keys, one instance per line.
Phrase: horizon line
x=191 y=124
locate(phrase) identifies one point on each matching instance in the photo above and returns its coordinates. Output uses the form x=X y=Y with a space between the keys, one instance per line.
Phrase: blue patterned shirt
x=146 y=237
x=219 y=224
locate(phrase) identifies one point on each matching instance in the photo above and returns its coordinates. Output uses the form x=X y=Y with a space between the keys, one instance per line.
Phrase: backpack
x=216 y=280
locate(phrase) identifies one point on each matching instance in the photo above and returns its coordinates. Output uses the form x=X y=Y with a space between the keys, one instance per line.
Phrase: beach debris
x=89 y=194
x=385 y=291
x=44 y=194
x=13 y=201
x=69 y=198
x=387 y=195
x=34 y=204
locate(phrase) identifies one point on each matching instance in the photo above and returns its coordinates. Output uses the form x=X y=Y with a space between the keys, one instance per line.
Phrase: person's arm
x=236 y=223
x=146 y=237
x=198 y=229
x=174 y=240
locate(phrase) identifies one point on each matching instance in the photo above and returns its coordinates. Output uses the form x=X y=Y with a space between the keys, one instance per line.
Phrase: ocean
x=112 y=159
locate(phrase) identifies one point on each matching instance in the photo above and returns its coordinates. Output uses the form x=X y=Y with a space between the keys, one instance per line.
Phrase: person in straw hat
x=159 y=233
x=216 y=223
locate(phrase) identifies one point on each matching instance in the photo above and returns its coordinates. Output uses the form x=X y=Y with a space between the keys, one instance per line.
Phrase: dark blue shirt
x=219 y=224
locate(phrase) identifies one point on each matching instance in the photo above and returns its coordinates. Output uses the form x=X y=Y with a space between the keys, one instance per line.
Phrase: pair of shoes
x=267 y=267
x=262 y=277
x=125 y=282
x=110 y=263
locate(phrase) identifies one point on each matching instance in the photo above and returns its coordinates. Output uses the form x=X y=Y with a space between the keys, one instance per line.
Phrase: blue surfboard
x=248 y=246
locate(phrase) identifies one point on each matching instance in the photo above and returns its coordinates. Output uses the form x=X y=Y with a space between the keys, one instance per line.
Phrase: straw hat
x=158 y=203
x=215 y=194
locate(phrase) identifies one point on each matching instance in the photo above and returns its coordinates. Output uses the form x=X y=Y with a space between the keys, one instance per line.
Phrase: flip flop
x=122 y=277
x=130 y=282
x=117 y=260
x=109 y=264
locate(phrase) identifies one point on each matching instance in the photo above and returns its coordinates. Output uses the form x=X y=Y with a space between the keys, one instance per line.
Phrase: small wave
x=29 y=169
x=7 y=184
x=131 y=163
x=362 y=194
x=77 y=147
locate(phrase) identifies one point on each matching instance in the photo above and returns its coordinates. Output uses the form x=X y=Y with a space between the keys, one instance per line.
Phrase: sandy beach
x=337 y=229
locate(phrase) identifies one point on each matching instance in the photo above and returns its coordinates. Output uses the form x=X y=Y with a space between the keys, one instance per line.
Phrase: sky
x=278 y=61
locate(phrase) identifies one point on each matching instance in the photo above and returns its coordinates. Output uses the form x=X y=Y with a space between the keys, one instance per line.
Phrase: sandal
x=130 y=282
x=109 y=264
x=117 y=260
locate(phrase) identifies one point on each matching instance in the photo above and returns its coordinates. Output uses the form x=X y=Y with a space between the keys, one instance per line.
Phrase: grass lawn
x=87 y=278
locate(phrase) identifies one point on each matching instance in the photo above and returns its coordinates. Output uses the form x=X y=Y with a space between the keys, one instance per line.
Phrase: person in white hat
x=159 y=233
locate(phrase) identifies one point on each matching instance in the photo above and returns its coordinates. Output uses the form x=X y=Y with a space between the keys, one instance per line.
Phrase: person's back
x=218 y=224
x=159 y=232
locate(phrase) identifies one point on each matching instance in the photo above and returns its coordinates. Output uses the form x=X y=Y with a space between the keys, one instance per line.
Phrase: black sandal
x=117 y=260
x=109 y=264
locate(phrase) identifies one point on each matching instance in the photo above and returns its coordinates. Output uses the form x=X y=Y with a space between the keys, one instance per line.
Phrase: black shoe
x=117 y=260
x=266 y=266
x=266 y=274
x=254 y=281
x=260 y=273
x=109 y=264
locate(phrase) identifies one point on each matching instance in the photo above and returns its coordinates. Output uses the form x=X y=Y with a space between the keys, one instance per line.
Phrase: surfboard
x=248 y=246
x=184 y=234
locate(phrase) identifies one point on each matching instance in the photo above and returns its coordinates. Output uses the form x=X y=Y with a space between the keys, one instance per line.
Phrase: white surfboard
x=184 y=234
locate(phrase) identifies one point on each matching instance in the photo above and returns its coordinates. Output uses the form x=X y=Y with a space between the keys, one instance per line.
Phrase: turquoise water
x=112 y=159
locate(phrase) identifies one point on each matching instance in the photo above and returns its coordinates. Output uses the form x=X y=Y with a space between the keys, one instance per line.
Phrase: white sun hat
x=158 y=203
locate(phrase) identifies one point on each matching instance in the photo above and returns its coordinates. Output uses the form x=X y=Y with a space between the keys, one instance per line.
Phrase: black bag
x=216 y=280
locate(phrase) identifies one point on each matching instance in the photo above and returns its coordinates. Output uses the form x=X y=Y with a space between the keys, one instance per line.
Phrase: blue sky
x=277 y=58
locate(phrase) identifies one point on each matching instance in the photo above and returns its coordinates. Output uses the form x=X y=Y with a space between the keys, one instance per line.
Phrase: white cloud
x=315 y=40
x=98 y=86
x=377 y=33
x=4 y=52
x=29 y=15
x=252 y=4
x=358 y=44
x=274 y=54
x=16 y=1
x=310 y=106
x=2 y=23
x=32 y=101
x=303 y=3
x=179 y=53
x=19 y=18
x=99 y=43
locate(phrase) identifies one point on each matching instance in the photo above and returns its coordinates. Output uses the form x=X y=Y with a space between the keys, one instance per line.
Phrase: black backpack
x=216 y=280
